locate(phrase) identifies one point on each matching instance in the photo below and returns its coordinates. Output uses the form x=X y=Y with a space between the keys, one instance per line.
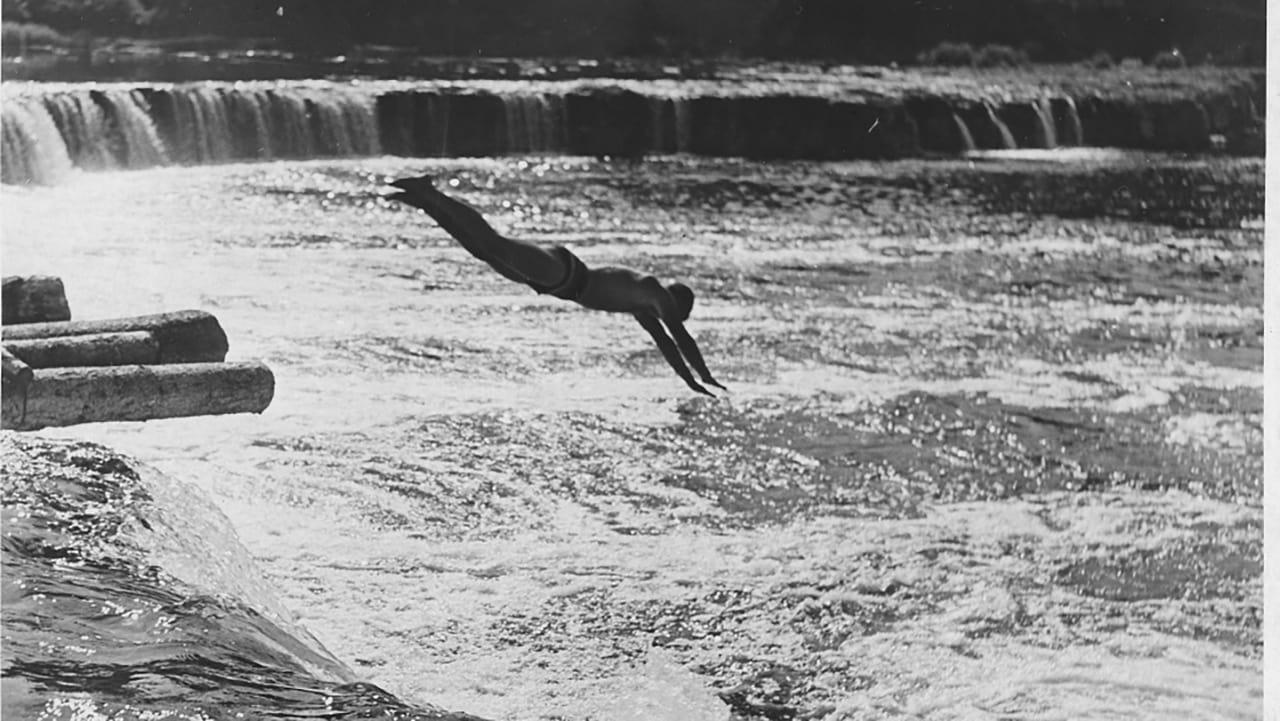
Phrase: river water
x=991 y=449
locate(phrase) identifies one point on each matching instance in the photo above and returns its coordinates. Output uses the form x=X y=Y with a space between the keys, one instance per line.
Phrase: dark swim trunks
x=575 y=279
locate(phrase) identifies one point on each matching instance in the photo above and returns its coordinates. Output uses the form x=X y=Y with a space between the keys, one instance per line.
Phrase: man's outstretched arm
x=689 y=348
x=670 y=351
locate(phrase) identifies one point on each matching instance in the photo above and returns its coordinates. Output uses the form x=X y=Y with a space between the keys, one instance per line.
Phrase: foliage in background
x=947 y=54
x=865 y=31
x=106 y=17
x=1100 y=60
x=19 y=37
x=1001 y=56
x=1169 y=60
x=1047 y=30
x=963 y=55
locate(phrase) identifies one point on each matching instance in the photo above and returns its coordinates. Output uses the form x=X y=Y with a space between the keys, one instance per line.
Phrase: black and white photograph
x=635 y=360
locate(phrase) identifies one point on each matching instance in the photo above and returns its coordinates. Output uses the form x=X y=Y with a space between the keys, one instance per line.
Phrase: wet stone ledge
x=47 y=132
x=127 y=595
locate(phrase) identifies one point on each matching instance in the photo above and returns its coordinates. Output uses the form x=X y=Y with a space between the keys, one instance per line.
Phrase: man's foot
x=420 y=184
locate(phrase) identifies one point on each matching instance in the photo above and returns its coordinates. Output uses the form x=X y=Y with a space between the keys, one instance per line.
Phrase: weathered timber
x=17 y=379
x=68 y=396
x=33 y=299
x=15 y=370
x=95 y=349
x=187 y=336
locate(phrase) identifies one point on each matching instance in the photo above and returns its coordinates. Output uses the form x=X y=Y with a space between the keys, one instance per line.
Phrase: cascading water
x=140 y=144
x=1047 y=128
x=966 y=136
x=658 y=141
x=33 y=147
x=208 y=124
x=292 y=135
x=683 y=122
x=250 y=112
x=201 y=132
x=534 y=122
x=82 y=124
x=50 y=129
x=96 y=129
x=1006 y=136
x=1066 y=118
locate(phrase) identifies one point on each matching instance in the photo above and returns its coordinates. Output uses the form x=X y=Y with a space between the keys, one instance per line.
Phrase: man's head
x=683 y=296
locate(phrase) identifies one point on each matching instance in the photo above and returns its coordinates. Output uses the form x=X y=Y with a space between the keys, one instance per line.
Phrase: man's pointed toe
x=415 y=183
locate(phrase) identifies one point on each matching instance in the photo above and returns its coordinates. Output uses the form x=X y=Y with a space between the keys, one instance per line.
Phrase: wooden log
x=33 y=299
x=187 y=336
x=68 y=396
x=17 y=377
x=15 y=370
x=137 y=347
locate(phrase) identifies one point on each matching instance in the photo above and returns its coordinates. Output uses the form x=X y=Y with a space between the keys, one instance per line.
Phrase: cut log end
x=17 y=374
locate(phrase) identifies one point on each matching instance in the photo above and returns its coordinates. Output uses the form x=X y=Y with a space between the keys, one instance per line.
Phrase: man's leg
x=517 y=260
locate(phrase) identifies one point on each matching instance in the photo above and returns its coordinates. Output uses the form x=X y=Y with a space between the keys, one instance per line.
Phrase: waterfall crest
x=33 y=147
x=50 y=130
x=101 y=129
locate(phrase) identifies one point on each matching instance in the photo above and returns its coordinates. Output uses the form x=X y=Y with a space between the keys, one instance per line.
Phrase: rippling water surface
x=992 y=447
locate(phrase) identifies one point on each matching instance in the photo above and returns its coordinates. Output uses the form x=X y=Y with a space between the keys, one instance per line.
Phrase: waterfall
x=247 y=114
x=290 y=130
x=555 y=122
x=966 y=137
x=1048 y=131
x=684 y=123
x=50 y=129
x=102 y=129
x=657 y=124
x=202 y=133
x=107 y=128
x=141 y=144
x=343 y=124
x=1006 y=136
x=437 y=121
x=82 y=125
x=212 y=124
x=1067 y=120
x=517 y=123
x=533 y=122
x=34 y=151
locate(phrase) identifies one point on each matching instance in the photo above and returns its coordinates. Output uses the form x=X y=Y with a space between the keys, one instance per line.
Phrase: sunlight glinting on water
x=941 y=486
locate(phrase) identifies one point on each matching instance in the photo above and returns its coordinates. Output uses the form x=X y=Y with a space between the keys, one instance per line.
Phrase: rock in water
x=33 y=299
x=127 y=594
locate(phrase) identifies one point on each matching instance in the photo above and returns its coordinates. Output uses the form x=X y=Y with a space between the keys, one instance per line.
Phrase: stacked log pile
x=59 y=372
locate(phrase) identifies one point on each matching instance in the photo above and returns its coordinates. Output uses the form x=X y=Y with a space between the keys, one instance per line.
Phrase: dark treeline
x=1049 y=30
x=879 y=31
